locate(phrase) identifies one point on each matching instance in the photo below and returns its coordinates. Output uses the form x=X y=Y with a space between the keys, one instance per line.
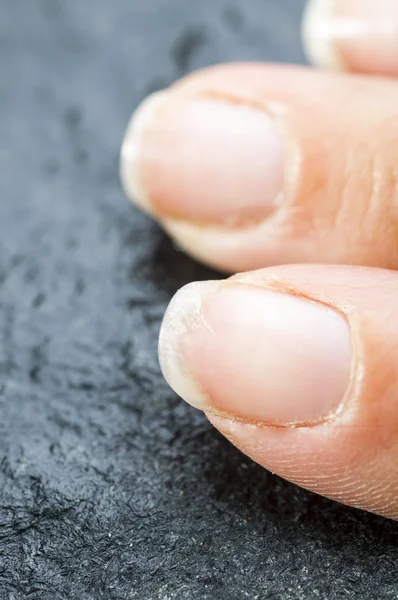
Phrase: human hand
x=251 y=166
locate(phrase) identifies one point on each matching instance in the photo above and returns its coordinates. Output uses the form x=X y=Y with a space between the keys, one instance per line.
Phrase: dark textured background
x=111 y=487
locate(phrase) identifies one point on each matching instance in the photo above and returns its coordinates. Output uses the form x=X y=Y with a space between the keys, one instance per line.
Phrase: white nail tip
x=131 y=150
x=185 y=312
x=316 y=34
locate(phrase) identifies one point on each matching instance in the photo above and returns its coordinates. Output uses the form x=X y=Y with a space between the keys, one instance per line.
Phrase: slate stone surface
x=111 y=487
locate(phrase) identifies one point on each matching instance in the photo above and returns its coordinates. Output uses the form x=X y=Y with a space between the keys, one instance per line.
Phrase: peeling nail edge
x=184 y=311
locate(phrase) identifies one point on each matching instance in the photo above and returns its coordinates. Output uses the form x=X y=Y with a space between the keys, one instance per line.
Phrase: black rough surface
x=111 y=487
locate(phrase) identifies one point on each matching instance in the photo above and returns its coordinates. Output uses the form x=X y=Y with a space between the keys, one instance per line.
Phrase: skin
x=334 y=204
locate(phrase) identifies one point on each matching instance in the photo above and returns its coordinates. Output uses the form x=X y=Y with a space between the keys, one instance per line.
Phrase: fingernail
x=203 y=160
x=255 y=354
x=356 y=35
x=131 y=177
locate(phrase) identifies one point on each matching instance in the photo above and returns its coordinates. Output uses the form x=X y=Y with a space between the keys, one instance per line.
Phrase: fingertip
x=352 y=35
x=317 y=36
x=304 y=391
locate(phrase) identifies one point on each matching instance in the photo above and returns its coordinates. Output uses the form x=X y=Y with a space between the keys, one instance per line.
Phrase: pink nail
x=256 y=354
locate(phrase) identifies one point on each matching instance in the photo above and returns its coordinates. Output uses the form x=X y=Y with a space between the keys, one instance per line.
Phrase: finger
x=251 y=165
x=353 y=35
x=298 y=367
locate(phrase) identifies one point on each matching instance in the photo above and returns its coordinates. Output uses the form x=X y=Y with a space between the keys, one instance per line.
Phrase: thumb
x=298 y=367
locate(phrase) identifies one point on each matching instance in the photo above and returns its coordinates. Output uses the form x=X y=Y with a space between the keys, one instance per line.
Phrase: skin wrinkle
x=383 y=182
x=310 y=190
x=367 y=220
x=387 y=388
x=385 y=179
x=348 y=171
x=343 y=209
x=350 y=489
